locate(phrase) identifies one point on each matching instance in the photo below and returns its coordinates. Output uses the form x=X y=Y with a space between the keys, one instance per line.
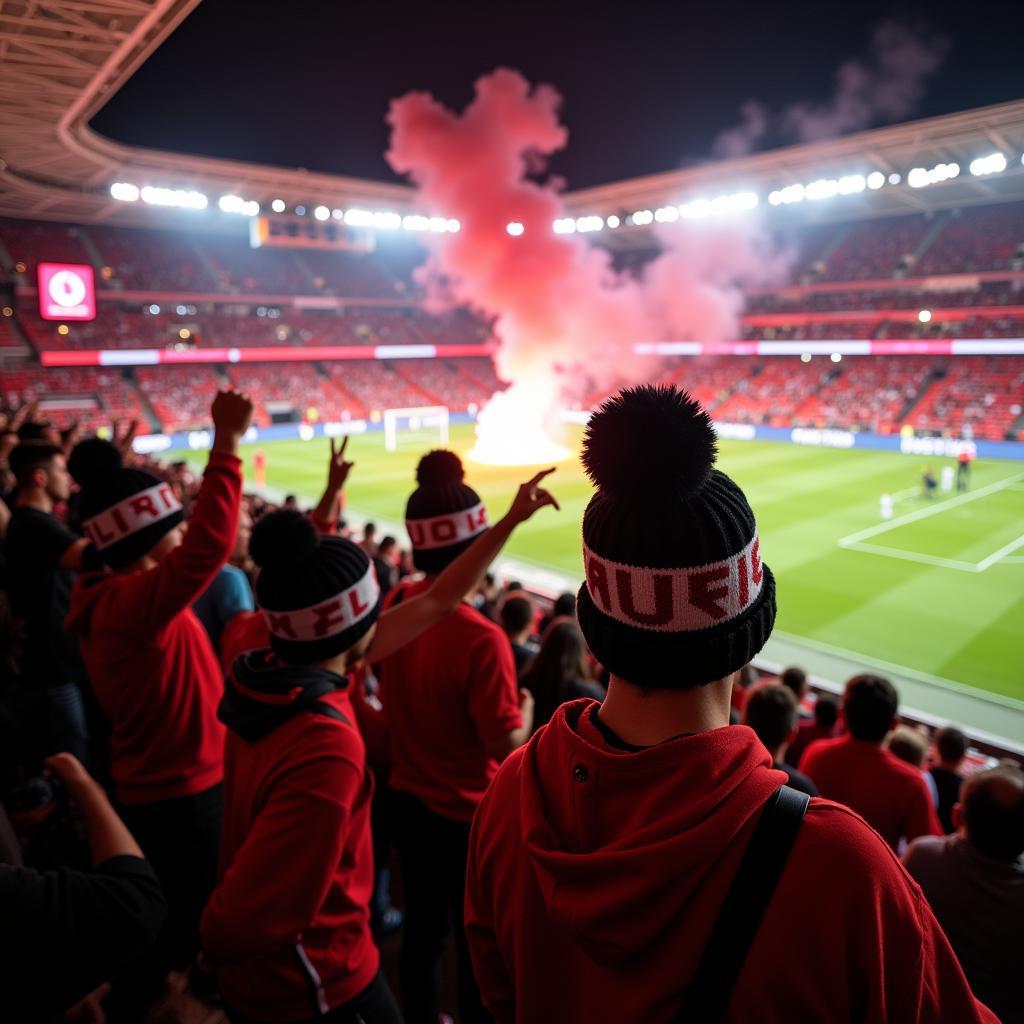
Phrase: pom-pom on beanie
x=319 y=594
x=676 y=594
x=124 y=512
x=444 y=514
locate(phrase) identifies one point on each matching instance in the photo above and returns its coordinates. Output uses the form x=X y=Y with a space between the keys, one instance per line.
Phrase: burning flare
x=511 y=431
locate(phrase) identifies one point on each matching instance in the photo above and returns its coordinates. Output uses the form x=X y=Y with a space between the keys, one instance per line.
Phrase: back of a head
x=992 y=804
x=444 y=514
x=771 y=711
x=565 y=605
x=826 y=711
x=29 y=456
x=870 y=704
x=92 y=459
x=908 y=745
x=796 y=680
x=516 y=613
x=559 y=662
x=676 y=594
x=319 y=594
x=951 y=743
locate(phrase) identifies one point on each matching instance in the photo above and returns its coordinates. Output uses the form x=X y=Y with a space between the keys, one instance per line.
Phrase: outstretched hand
x=531 y=496
x=337 y=468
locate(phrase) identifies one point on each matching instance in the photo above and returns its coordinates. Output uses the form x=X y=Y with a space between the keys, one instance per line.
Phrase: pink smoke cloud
x=562 y=313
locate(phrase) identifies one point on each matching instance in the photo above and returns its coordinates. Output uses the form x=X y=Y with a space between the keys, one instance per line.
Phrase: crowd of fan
x=212 y=739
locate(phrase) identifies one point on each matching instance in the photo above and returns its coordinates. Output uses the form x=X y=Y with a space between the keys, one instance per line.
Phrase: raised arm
x=406 y=621
x=325 y=515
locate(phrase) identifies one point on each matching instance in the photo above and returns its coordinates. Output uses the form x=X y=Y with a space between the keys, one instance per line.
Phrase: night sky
x=647 y=86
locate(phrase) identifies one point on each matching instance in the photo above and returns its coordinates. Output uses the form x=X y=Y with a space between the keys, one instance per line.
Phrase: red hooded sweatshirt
x=288 y=928
x=596 y=876
x=150 y=662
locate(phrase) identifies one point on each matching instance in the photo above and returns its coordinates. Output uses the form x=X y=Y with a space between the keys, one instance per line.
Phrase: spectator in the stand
x=858 y=771
x=66 y=932
x=156 y=676
x=951 y=748
x=454 y=710
x=911 y=745
x=563 y=608
x=974 y=881
x=296 y=944
x=230 y=593
x=369 y=541
x=822 y=727
x=795 y=679
x=385 y=562
x=43 y=556
x=486 y=599
x=603 y=851
x=516 y=613
x=560 y=671
x=290 y=502
x=771 y=711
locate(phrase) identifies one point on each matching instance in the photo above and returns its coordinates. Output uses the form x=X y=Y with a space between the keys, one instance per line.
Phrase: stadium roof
x=60 y=62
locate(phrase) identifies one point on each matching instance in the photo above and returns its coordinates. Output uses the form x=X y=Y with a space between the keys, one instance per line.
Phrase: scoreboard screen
x=66 y=291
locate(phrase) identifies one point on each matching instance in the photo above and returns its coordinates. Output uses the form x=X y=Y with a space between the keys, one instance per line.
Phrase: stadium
x=866 y=388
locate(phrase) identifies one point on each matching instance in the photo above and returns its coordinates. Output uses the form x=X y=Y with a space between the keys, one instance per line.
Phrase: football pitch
x=933 y=595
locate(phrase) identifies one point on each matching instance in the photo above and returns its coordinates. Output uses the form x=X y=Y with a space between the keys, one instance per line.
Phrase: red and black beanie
x=444 y=514
x=676 y=594
x=319 y=594
x=124 y=512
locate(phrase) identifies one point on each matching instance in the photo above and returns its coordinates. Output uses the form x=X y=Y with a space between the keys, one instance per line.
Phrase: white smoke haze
x=885 y=84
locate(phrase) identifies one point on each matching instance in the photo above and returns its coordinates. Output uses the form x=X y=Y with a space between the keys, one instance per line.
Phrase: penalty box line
x=855 y=541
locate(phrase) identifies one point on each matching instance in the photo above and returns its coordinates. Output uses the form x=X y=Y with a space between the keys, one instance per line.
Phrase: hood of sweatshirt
x=262 y=693
x=621 y=842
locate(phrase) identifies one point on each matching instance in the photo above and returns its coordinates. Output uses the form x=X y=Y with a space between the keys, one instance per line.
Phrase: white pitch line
x=913 y=556
x=1006 y=549
x=924 y=513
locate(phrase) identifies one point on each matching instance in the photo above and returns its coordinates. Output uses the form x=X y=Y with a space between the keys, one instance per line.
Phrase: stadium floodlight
x=124 y=191
x=453 y=225
x=154 y=309
x=183 y=198
x=774 y=198
x=439 y=225
x=564 y=226
x=415 y=222
x=387 y=219
x=337 y=214
x=875 y=180
x=642 y=217
x=236 y=204
x=994 y=163
x=666 y=214
x=919 y=177
x=836 y=357
x=514 y=228
x=612 y=221
x=300 y=211
x=895 y=178
x=590 y=223
x=322 y=213
x=357 y=218
x=924 y=316
x=279 y=206
x=806 y=357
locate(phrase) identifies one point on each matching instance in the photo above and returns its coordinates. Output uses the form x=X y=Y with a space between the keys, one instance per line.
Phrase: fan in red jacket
x=602 y=853
x=287 y=930
x=155 y=675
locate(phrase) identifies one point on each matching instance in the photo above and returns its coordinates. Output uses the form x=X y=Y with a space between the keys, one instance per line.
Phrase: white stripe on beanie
x=131 y=515
x=676 y=600
x=329 y=617
x=451 y=528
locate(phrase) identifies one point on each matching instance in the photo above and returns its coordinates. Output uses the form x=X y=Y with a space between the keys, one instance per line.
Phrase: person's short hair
x=565 y=605
x=513 y=585
x=369 y=528
x=290 y=499
x=870 y=704
x=992 y=803
x=796 y=680
x=951 y=744
x=516 y=613
x=826 y=711
x=908 y=745
x=771 y=711
x=386 y=544
x=29 y=456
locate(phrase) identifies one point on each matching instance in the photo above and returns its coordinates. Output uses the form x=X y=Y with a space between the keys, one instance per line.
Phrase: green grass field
x=937 y=591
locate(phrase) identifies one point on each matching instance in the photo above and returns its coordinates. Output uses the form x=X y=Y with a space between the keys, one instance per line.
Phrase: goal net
x=419 y=426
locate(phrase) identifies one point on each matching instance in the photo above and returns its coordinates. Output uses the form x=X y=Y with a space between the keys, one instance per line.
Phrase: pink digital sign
x=66 y=291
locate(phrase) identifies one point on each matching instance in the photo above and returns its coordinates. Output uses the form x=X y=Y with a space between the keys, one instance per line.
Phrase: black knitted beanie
x=444 y=514
x=676 y=595
x=319 y=594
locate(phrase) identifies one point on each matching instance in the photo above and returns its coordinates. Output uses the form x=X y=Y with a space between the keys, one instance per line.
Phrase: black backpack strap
x=744 y=907
x=309 y=700
x=329 y=710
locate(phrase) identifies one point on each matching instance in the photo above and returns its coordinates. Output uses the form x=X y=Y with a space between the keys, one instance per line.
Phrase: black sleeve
x=66 y=932
x=49 y=539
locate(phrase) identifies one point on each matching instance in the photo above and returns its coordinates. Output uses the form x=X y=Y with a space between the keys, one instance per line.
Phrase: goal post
x=418 y=425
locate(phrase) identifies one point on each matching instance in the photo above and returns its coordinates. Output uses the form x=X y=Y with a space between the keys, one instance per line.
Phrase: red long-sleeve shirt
x=596 y=876
x=150 y=662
